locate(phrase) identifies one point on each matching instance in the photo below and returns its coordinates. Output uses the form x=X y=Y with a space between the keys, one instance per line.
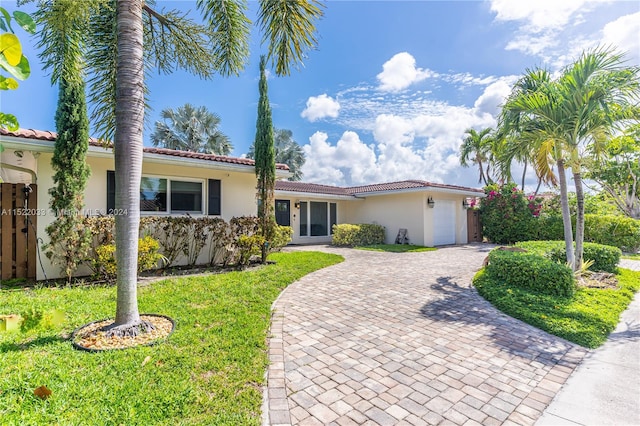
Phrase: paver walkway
x=386 y=338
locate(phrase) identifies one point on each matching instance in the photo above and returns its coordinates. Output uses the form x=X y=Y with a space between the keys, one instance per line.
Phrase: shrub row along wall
x=184 y=240
x=363 y=234
x=618 y=231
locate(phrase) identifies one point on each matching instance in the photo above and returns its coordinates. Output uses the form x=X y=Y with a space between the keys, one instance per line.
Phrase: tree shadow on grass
x=30 y=343
x=464 y=305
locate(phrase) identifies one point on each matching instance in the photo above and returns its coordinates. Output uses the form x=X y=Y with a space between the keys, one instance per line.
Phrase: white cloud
x=539 y=15
x=494 y=96
x=559 y=31
x=348 y=161
x=320 y=107
x=400 y=72
x=624 y=33
x=406 y=145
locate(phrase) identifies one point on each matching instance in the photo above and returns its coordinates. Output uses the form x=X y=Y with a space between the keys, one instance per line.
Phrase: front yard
x=210 y=371
x=587 y=318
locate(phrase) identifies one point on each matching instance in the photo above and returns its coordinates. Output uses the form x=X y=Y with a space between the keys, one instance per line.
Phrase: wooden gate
x=18 y=224
x=474 y=226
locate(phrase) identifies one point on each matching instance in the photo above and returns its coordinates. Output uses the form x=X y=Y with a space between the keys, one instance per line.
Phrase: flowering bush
x=508 y=215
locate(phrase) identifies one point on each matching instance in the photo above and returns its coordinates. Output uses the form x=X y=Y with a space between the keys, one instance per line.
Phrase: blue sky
x=391 y=87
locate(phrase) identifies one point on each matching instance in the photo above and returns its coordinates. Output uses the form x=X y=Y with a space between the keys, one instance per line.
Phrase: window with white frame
x=317 y=218
x=165 y=195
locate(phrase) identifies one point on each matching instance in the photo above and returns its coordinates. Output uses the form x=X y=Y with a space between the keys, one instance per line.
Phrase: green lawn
x=632 y=256
x=208 y=372
x=396 y=248
x=586 y=319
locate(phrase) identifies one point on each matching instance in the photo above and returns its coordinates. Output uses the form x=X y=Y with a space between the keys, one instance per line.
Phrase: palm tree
x=114 y=50
x=477 y=148
x=191 y=129
x=570 y=118
x=287 y=152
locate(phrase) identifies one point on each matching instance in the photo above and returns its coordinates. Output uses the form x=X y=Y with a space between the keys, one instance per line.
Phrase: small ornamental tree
x=69 y=239
x=265 y=163
x=508 y=215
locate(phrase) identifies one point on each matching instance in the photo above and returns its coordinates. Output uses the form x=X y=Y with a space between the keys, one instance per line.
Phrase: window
x=162 y=195
x=317 y=218
x=215 y=195
x=303 y=219
x=186 y=196
x=153 y=195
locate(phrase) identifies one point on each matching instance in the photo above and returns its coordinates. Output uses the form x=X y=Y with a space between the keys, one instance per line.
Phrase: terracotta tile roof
x=312 y=188
x=285 y=185
x=407 y=184
x=51 y=136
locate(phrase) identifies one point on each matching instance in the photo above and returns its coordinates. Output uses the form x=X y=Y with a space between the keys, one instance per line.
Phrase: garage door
x=444 y=222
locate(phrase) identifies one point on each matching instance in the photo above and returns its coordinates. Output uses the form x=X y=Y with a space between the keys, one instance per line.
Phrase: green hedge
x=605 y=258
x=618 y=231
x=531 y=271
x=363 y=234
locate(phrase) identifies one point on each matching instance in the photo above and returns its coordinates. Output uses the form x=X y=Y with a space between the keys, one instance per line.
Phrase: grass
x=396 y=248
x=585 y=319
x=208 y=372
x=631 y=256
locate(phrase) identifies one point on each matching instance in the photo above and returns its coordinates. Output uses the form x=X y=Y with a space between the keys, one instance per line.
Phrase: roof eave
x=300 y=194
x=41 y=145
x=468 y=193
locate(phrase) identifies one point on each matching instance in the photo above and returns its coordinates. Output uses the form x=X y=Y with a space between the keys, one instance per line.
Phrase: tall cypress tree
x=69 y=239
x=265 y=162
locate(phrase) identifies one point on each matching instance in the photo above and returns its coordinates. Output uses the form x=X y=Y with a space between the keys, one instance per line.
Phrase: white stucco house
x=178 y=182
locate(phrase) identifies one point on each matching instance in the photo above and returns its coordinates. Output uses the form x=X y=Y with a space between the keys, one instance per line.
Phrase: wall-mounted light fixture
x=465 y=204
x=296 y=204
x=430 y=202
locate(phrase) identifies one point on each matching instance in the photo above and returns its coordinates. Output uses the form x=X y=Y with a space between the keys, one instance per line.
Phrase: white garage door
x=444 y=222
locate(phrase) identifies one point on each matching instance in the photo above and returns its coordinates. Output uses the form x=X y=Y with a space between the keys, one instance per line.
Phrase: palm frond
x=289 y=28
x=230 y=30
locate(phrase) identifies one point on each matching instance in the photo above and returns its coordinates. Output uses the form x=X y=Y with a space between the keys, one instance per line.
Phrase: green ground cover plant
x=208 y=372
x=587 y=318
x=631 y=256
x=396 y=248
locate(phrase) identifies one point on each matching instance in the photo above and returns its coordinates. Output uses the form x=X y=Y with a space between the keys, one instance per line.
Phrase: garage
x=444 y=222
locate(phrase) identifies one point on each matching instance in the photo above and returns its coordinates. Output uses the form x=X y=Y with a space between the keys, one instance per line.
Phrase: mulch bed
x=91 y=337
x=598 y=280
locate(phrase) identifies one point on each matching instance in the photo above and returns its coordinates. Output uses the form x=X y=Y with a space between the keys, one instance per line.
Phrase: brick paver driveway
x=386 y=338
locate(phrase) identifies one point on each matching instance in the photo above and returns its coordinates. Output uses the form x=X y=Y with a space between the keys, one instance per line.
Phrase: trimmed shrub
x=104 y=264
x=605 y=258
x=612 y=230
x=282 y=236
x=531 y=271
x=363 y=234
x=507 y=215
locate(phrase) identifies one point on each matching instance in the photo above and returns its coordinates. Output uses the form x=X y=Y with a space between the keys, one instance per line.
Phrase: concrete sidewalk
x=605 y=388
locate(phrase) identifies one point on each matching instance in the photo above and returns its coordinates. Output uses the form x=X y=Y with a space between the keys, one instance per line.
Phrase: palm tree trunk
x=566 y=214
x=482 y=178
x=128 y=156
x=538 y=187
x=577 y=179
x=524 y=174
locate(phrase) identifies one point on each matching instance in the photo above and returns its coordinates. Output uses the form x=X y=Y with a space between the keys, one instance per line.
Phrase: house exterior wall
x=237 y=192
x=407 y=210
x=393 y=211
